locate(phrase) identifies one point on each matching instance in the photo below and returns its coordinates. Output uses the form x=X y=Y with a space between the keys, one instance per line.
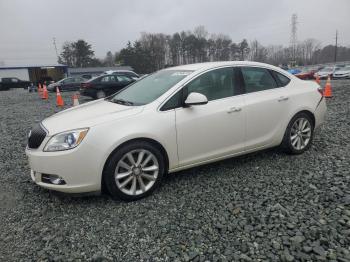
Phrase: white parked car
x=343 y=72
x=325 y=72
x=172 y=120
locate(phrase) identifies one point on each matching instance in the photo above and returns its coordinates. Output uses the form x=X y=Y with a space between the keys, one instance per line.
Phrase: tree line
x=154 y=51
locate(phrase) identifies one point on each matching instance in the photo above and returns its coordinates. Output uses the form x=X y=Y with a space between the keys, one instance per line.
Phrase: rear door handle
x=283 y=98
x=234 y=109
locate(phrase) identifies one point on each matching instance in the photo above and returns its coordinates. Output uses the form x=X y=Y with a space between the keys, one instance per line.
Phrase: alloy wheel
x=300 y=134
x=136 y=172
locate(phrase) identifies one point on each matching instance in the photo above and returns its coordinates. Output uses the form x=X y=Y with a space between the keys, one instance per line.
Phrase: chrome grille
x=36 y=137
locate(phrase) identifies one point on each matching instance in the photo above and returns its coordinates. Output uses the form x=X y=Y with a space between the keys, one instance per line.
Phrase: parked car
x=172 y=120
x=306 y=74
x=294 y=71
x=104 y=85
x=13 y=82
x=67 y=84
x=128 y=73
x=326 y=71
x=343 y=72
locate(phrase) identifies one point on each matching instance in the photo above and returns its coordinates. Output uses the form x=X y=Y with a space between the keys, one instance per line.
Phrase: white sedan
x=172 y=120
x=343 y=72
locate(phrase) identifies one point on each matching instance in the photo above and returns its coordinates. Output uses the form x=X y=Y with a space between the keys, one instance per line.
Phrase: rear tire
x=299 y=134
x=134 y=171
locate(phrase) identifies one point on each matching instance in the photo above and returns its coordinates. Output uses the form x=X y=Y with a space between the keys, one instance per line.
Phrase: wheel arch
x=143 y=139
x=309 y=113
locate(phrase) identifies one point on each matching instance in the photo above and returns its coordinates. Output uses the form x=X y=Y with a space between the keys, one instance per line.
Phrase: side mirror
x=196 y=99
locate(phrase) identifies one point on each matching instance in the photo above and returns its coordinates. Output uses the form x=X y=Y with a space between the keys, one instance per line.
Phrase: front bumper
x=78 y=167
x=341 y=76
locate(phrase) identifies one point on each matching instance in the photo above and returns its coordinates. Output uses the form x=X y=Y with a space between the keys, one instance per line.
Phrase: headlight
x=66 y=140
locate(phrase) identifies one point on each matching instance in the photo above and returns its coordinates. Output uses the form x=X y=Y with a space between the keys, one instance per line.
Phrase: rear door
x=266 y=106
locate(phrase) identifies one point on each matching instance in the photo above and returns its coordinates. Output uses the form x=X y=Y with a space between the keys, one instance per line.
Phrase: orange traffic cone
x=59 y=99
x=318 y=81
x=327 y=92
x=45 y=93
x=75 y=100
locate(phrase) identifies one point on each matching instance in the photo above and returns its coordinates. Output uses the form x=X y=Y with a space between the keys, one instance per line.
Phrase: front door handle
x=283 y=98
x=234 y=109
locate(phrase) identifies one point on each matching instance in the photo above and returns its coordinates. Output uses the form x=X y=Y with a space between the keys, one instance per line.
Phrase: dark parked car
x=12 y=82
x=66 y=84
x=127 y=73
x=105 y=85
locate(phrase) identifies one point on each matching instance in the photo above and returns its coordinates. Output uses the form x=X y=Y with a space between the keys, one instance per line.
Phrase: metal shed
x=35 y=73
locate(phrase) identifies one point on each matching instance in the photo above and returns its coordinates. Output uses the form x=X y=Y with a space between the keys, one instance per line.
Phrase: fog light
x=52 y=179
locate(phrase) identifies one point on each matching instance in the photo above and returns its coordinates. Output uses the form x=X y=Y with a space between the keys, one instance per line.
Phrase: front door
x=216 y=129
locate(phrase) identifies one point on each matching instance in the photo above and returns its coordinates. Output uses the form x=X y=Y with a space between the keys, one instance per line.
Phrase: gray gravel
x=266 y=206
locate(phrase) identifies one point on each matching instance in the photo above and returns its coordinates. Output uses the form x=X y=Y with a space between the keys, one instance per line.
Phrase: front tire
x=134 y=171
x=299 y=134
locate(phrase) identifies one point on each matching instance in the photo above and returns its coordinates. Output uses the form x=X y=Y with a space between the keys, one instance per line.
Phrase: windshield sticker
x=181 y=74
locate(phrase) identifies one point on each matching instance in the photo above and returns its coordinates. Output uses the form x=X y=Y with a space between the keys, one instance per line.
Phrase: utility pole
x=336 y=46
x=293 y=38
x=54 y=44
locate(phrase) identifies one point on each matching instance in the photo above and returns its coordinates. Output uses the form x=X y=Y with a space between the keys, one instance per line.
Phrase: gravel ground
x=266 y=206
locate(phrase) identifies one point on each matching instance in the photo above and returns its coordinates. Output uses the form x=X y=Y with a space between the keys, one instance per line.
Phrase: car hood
x=88 y=115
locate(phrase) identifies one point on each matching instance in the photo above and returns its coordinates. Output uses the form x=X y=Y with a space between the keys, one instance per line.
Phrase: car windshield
x=149 y=88
x=327 y=69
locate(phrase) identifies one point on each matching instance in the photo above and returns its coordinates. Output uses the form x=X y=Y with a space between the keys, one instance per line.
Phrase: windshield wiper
x=122 y=102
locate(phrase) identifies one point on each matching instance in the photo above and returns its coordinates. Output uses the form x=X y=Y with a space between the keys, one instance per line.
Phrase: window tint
x=257 y=79
x=281 y=79
x=122 y=78
x=173 y=102
x=108 y=79
x=215 y=84
x=68 y=81
x=15 y=80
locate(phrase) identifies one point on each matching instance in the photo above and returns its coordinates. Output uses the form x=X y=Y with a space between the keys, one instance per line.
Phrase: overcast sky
x=27 y=27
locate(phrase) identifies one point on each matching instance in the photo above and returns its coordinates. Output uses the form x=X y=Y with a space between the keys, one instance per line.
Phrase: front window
x=215 y=84
x=327 y=69
x=149 y=88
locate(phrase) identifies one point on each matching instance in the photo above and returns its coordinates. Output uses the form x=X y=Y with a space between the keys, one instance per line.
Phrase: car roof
x=209 y=65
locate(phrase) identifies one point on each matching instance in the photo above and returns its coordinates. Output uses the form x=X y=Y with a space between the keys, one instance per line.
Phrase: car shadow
x=238 y=162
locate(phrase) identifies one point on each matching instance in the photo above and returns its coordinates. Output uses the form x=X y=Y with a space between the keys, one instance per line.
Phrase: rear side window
x=282 y=80
x=257 y=79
